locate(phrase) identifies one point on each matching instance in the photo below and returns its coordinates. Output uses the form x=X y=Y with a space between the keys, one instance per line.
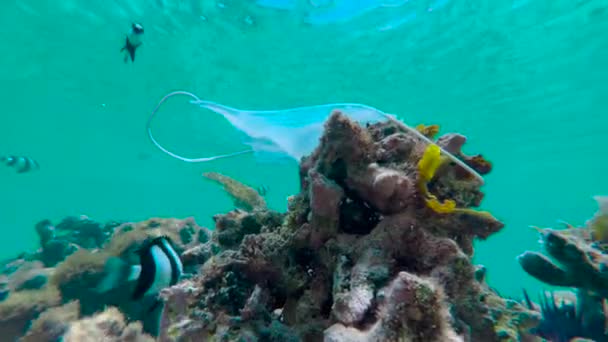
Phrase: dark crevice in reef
x=338 y=172
x=357 y=217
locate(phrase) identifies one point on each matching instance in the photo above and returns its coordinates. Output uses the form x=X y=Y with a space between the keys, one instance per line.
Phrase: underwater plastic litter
x=294 y=132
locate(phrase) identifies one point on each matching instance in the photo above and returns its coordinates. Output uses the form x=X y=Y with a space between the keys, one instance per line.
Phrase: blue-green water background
x=525 y=81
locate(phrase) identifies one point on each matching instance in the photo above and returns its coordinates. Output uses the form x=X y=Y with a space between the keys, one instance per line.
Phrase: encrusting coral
x=109 y=326
x=53 y=323
x=20 y=308
x=377 y=246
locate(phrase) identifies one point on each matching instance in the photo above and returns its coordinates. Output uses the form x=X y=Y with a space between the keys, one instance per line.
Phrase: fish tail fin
x=153 y=317
x=124 y=47
x=117 y=273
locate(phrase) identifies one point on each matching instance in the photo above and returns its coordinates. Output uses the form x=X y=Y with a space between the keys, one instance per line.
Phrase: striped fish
x=21 y=164
x=160 y=267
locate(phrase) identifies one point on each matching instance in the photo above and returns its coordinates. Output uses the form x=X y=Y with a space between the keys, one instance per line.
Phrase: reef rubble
x=377 y=246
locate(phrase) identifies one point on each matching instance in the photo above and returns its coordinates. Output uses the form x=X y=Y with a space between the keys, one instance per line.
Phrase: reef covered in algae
x=574 y=257
x=377 y=246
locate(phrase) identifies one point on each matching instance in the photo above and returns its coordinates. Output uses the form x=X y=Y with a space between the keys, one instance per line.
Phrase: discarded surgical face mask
x=293 y=132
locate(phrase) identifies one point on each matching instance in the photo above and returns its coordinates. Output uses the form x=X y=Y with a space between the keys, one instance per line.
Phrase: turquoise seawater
x=525 y=80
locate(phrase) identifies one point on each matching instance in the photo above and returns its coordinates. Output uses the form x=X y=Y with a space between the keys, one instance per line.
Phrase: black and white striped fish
x=132 y=41
x=20 y=163
x=159 y=267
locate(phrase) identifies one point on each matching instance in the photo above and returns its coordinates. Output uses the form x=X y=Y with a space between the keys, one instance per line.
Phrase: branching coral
x=577 y=263
x=576 y=257
x=428 y=131
x=244 y=197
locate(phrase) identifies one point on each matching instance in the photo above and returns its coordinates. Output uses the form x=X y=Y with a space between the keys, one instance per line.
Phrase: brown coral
x=53 y=323
x=184 y=234
x=108 y=325
x=358 y=252
x=359 y=256
x=243 y=196
x=573 y=256
x=410 y=308
x=21 y=307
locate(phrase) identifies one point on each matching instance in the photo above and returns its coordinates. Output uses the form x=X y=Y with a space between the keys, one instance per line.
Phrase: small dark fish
x=21 y=164
x=132 y=41
x=159 y=267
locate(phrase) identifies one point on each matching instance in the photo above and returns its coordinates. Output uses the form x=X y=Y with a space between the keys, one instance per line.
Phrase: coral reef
x=575 y=257
x=376 y=246
x=360 y=256
x=20 y=308
x=53 y=323
x=31 y=288
x=108 y=325
x=73 y=232
x=564 y=318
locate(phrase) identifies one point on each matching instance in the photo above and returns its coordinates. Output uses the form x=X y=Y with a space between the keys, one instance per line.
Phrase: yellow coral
x=430 y=162
x=428 y=131
x=427 y=167
x=447 y=207
x=599 y=227
x=598 y=224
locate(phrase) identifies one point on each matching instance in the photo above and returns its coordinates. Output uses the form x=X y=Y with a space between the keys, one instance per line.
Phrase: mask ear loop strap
x=175 y=155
